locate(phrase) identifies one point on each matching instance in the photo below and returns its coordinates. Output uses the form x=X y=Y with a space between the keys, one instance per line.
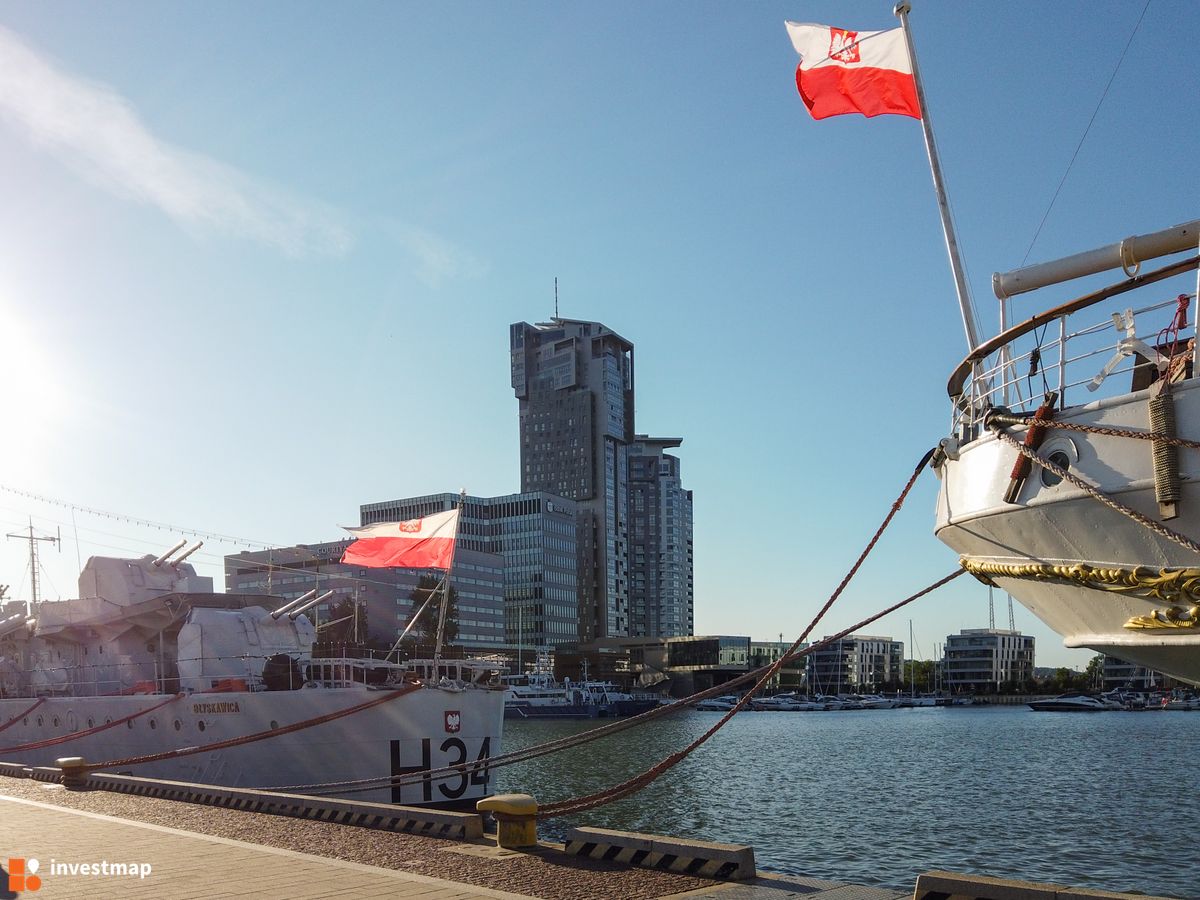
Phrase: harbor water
x=1104 y=800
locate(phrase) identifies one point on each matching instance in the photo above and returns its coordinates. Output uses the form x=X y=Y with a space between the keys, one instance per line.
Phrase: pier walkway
x=166 y=862
x=126 y=858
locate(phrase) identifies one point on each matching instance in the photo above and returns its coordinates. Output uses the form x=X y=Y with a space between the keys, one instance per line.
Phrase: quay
x=100 y=844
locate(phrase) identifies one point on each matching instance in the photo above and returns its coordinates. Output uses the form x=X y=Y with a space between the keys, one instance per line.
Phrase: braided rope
x=1157 y=527
x=635 y=784
x=624 y=789
x=21 y=715
x=75 y=735
x=1109 y=430
x=256 y=736
x=593 y=734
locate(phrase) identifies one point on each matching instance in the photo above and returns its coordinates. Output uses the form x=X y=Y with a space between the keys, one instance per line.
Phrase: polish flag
x=842 y=71
x=426 y=543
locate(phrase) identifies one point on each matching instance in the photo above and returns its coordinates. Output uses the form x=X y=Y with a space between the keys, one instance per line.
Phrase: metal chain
x=1157 y=527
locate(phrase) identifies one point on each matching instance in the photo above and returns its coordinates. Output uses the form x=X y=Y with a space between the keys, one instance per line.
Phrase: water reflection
x=877 y=796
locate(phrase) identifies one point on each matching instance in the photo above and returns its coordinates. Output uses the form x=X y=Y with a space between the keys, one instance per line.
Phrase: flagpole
x=441 y=629
x=960 y=280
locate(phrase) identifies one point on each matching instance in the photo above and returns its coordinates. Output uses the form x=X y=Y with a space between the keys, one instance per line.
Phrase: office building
x=384 y=596
x=574 y=382
x=535 y=535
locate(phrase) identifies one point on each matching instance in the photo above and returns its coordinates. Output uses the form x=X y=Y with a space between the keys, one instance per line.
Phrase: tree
x=425 y=630
x=1095 y=672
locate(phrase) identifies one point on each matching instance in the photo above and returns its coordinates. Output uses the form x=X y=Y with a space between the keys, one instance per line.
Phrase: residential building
x=854 y=664
x=536 y=536
x=1131 y=676
x=384 y=596
x=981 y=659
x=661 y=592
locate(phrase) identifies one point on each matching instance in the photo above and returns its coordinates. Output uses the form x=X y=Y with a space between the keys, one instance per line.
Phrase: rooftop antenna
x=33 y=561
x=1012 y=625
x=556 y=296
x=991 y=611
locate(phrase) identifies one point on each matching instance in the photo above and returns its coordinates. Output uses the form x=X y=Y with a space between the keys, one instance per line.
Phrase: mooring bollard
x=74 y=776
x=516 y=816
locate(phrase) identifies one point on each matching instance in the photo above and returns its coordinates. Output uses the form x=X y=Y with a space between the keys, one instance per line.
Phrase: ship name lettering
x=225 y=706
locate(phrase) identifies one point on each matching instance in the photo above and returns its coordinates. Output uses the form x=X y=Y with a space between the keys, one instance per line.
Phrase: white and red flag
x=426 y=543
x=867 y=72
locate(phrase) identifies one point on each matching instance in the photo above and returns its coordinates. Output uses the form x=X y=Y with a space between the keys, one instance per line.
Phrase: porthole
x=201 y=725
x=25 y=721
x=178 y=725
x=274 y=724
x=40 y=722
x=1060 y=459
x=55 y=721
x=153 y=723
x=108 y=721
x=129 y=724
x=91 y=723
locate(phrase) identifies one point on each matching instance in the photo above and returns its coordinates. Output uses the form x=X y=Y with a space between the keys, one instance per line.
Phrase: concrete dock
x=99 y=844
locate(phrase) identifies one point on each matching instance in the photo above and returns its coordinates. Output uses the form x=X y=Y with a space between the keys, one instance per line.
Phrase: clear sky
x=258 y=262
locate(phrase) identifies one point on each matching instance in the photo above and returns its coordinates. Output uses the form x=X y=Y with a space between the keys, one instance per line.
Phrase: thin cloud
x=96 y=132
x=435 y=259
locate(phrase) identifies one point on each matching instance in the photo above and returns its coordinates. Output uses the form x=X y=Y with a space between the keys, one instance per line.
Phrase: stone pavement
x=186 y=865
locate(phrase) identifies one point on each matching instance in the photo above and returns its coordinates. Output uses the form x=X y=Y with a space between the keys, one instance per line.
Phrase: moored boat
x=1074 y=703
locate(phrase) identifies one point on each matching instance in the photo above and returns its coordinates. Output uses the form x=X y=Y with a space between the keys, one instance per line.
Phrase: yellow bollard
x=74 y=776
x=516 y=815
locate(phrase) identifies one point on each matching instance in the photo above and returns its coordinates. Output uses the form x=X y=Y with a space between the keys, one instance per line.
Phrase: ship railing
x=1082 y=351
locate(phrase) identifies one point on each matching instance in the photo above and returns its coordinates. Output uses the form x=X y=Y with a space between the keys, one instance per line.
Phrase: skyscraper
x=574 y=382
x=574 y=385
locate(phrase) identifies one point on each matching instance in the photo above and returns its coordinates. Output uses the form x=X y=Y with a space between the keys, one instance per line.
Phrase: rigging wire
x=1083 y=138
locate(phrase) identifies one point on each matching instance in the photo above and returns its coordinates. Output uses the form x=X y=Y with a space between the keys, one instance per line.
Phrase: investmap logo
x=843 y=45
x=23 y=872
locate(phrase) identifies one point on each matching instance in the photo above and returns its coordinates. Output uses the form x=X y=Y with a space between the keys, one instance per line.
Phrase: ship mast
x=34 y=584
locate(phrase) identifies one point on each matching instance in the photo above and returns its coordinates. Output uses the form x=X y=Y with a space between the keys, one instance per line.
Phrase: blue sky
x=257 y=261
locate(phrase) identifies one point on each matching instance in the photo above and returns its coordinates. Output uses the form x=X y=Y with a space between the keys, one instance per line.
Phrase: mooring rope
x=1109 y=430
x=384 y=697
x=571 y=741
x=638 y=782
x=76 y=735
x=1157 y=527
x=21 y=715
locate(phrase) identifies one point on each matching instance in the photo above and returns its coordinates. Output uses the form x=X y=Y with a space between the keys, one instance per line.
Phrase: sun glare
x=33 y=399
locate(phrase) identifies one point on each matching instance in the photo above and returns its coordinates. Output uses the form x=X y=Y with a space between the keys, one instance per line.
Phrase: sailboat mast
x=901 y=11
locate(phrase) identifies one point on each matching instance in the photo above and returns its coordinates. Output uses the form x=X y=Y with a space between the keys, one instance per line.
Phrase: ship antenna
x=556 y=296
